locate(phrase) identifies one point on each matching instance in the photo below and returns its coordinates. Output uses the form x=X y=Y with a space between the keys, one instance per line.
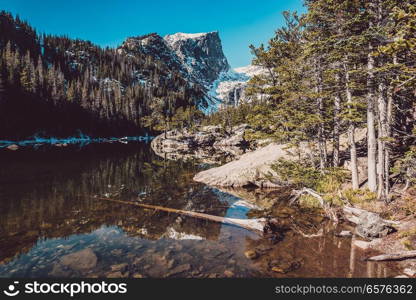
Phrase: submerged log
x=394 y=256
x=256 y=225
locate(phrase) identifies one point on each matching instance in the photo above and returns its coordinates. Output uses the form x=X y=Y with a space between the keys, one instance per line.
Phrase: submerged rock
x=116 y=275
x=251 y=254
x=119 y=267
x=284 y=267
x=59 y=270
x=179 y=269
x=81 y=260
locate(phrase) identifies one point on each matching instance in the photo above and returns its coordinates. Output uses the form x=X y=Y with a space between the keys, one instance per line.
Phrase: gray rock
x=116 y=275
x=59 y=270
x=119 y=267
x=179 y=269
x=81 y=260
x=371 y=225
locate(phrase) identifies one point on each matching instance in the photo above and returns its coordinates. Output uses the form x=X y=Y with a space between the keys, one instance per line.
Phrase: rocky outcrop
x=210 y=144
x=251 y=169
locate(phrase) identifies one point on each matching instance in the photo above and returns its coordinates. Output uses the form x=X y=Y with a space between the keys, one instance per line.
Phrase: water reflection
x=49 y=212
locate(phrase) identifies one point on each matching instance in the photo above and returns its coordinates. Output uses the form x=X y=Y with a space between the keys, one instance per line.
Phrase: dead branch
x=331 y=214
x=298 y=230
x=394 y=256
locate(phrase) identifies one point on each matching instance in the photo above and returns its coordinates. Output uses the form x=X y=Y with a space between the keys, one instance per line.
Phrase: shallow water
x=49 y=209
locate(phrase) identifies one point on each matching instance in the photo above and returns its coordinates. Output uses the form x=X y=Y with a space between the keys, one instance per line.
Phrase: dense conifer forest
x=58 y=86
x=340 y=67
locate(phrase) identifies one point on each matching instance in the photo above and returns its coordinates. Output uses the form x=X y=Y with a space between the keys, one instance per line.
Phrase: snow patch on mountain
x=173 y=38
x=250 y=70
x=229 y=88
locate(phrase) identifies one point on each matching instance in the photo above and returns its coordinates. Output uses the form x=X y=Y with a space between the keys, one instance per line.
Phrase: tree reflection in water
x=48 y=210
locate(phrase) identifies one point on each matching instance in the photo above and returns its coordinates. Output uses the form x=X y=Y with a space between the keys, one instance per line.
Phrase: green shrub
x=304 y=174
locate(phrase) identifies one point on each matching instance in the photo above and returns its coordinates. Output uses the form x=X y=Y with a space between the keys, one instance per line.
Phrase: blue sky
x=109 y=22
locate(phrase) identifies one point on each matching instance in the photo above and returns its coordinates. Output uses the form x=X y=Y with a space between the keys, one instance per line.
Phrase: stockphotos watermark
x=71 y=289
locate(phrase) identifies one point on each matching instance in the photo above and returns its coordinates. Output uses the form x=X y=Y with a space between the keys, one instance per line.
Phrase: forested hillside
x=342 y=66
x=54 y=85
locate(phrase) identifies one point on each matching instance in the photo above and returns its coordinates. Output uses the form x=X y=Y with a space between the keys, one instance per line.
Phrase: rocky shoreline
x=209 y=144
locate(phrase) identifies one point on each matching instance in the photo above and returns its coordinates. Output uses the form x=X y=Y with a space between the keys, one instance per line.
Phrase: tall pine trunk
x=371 y=119
x=351 y=133
x=382 y=106
x=337 y=109
x=388 y=128
x=382 y=127
x=320 y=106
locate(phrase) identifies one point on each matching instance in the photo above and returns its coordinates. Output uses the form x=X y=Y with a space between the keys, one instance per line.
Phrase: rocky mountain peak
x=153 y=45
x=200 y=53
x=199 y=57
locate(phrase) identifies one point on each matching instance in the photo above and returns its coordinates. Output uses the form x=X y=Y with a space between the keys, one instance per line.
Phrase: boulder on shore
x=251 y=169
x=371 y=225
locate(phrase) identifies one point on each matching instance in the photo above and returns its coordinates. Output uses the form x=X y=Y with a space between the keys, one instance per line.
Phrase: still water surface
x=49 y=210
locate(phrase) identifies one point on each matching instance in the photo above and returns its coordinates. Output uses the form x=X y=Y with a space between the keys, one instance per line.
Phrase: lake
x=52 y=206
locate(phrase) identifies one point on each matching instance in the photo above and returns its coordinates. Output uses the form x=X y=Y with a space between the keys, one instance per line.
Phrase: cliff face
x=201 y=54
x=197 y=57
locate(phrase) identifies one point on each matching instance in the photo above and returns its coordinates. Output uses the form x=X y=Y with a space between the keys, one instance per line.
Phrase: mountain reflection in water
x=49 y=209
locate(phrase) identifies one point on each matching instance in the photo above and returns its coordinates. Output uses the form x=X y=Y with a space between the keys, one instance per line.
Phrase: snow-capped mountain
x=199 y=57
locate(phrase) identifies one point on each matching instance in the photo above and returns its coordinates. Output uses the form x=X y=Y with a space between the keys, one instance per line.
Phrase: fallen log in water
x=255 y=225
x=394 y=256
